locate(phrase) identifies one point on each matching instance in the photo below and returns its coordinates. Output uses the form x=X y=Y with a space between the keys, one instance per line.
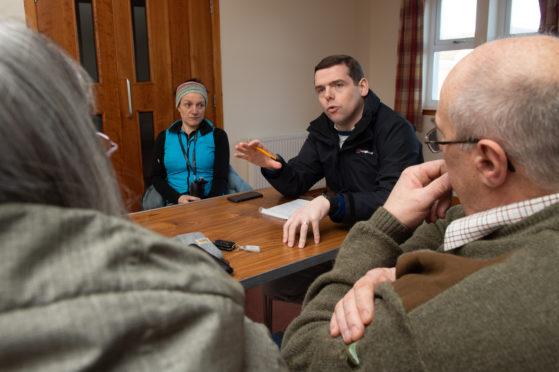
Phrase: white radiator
x=287 y=146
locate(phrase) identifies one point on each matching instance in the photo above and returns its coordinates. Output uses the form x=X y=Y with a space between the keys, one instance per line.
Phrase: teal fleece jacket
x=490 y=305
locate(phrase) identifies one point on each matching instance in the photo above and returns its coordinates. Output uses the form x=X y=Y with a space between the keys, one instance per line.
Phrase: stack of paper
x=285 y=210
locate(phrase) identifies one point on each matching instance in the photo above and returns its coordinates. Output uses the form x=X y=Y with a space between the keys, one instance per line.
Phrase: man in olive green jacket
x=476 y=289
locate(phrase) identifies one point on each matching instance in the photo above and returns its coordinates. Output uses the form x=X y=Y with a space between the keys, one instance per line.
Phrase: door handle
x=129 y=98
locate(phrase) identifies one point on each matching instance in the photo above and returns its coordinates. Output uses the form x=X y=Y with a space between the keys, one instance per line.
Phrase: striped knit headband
x=191 y=87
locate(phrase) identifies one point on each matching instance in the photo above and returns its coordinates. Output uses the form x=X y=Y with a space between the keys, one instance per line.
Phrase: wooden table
x=218 y=218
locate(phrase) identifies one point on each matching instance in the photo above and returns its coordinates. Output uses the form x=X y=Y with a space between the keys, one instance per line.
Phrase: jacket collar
x=206 y=127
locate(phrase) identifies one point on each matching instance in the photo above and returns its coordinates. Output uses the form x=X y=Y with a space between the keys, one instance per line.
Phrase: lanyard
x=185 y=153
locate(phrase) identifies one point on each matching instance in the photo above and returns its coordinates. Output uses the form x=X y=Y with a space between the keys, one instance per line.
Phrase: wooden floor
x=283 y=312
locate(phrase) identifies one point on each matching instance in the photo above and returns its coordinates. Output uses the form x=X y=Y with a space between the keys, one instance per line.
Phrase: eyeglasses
x=110 y=146
x=432 y=140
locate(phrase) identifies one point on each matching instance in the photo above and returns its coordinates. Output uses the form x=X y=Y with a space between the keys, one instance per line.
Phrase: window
x=523 y=17
x=455 y=27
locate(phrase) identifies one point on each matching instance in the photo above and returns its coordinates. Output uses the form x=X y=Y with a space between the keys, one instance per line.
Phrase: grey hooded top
x=83 y=291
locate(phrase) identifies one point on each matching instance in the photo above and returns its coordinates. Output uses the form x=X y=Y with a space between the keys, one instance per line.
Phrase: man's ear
x=491 y=163
x=363 y=87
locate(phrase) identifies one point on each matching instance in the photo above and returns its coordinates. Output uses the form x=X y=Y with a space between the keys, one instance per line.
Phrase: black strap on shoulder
x=185 y=153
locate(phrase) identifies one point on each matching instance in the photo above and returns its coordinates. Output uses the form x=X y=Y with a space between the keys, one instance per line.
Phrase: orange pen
x=265 y=153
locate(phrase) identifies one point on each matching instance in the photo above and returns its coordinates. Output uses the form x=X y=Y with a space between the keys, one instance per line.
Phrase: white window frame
x=492 y=22
x=505 y=27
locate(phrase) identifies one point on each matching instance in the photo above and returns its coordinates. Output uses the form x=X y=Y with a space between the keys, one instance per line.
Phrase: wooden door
x=195 y=49
x=127 y=48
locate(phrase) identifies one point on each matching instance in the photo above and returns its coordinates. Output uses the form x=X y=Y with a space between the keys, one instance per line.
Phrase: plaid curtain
x=549 y=22
x=410 y=62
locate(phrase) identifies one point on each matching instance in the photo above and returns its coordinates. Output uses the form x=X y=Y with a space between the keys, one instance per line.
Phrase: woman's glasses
x=110 y=146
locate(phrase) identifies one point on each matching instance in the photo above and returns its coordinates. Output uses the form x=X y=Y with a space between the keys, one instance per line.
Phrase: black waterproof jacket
x=363 y=171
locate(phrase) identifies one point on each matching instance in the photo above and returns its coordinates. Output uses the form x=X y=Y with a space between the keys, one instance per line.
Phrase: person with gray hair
x=82 y=287
x=44 y=159
x=476 y=288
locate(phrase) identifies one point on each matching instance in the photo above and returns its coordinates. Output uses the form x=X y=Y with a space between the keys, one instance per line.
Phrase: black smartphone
x=244 y=196
x=225 y=245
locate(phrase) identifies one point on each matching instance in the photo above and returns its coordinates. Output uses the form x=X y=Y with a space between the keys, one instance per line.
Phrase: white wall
x=12 y=9
x=383 y=48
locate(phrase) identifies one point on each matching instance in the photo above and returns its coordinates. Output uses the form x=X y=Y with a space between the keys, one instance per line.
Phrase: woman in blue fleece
x=191 y=157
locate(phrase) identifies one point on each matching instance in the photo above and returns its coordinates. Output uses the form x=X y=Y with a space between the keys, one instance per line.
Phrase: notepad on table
x=285 y=210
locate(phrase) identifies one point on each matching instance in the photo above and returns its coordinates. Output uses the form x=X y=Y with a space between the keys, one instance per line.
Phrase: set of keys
x=227 y=245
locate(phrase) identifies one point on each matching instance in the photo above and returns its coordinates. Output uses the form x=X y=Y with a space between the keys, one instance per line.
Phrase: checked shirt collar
x=471 y=228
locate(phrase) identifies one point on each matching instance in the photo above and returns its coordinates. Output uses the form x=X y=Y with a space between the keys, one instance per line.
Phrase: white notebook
x=285 y=210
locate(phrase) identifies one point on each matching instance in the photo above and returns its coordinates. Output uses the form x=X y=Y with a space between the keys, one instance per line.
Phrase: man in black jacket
x=358 y=144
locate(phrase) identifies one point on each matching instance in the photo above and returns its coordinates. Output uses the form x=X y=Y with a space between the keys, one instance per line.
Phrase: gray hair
x=50 y=153
x=518 y=109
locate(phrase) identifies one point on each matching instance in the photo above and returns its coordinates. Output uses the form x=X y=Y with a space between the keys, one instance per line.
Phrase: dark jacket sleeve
x=299 y=174
x=398 y=148
x=159 y=173
x=221 y=163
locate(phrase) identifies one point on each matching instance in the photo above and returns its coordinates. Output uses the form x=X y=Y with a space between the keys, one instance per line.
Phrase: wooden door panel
x=152 y=97
x=192 y=48
x=216 y=63
x=128 y=101
x=163 y=92
x=106 y=89
x=201 y=52
x=57 y=20
x=181 y=44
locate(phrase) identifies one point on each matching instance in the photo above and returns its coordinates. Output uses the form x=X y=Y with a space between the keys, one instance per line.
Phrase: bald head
x=508 y=90
x=507 y=61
